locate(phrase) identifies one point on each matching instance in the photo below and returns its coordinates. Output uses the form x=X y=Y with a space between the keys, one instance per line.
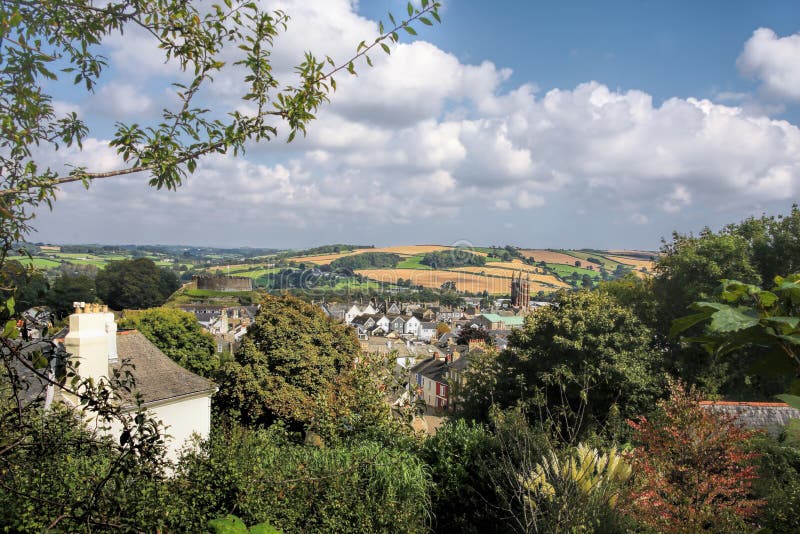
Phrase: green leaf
x=410 y=9
x=10 y=330
x=426 y=21
x=410 y=30
x=230 y=524
x=791 y=400
x=733 y=319
x=684 y=323
x=386 y=48
x=10 y=305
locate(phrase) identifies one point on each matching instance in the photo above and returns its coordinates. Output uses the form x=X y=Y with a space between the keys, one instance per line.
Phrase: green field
x=413 y=263
x=565 y=271
x=39 y=263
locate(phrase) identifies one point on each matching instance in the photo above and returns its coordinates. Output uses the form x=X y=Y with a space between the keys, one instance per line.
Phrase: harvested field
x=632 y=261
x=473 y=283
x=549 y=256
x=508 y=273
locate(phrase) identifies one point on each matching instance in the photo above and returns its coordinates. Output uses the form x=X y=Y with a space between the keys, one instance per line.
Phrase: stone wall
x=769 y=416
x=224 y=283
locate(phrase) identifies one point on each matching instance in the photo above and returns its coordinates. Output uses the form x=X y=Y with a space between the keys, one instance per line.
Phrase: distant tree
x=441 y=329
x=577 y=263
x=446 y=259
x=366 y=260
x=67 y=289
x=135 y=284
x=587 y=281
x=448 y=286
x=467 y=334
x=178 y=335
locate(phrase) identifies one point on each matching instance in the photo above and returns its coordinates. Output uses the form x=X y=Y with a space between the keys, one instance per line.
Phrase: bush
x=296 y=488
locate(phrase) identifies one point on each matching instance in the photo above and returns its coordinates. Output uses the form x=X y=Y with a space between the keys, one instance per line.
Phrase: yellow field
x=506 y=273
x=632 y=261
x=548 y=256
x=473 y=283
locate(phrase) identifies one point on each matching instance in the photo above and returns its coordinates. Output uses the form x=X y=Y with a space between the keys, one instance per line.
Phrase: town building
x=173 y=395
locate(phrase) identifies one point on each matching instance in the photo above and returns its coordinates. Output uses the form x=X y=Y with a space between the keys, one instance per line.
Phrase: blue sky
x=542 y=124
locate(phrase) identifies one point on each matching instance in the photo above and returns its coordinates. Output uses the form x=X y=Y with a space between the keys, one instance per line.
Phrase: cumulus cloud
x=774 y=61
x=425 y=137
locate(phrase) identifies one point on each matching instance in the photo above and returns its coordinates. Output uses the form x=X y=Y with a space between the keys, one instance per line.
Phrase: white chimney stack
x=92 y=339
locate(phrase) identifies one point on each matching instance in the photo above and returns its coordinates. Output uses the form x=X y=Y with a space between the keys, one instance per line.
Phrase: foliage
x=778 y=484
x=27 y=287
x=774 y=242
x=475 y=395
x=289 y=360
x=447 y=259
x=298 y=488
x=464 y=497
x=694 y=472
x=749 y=315
x=581 y=361
x=366 y=260
x=576 y=492
x=467 y=334
x=67 y=289
x=441 y=329
x=178 y=335
x=135 y=284
x=51 y=479
x=230 y=524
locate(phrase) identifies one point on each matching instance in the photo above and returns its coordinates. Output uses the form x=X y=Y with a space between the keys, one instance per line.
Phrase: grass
x=565 y=271
x=39 y=263
x=413 y=263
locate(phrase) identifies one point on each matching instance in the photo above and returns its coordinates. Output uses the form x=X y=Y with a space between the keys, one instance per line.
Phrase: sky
x=548 y=124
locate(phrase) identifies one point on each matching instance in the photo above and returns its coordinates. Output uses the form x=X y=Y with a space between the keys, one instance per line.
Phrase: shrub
x=693 y=470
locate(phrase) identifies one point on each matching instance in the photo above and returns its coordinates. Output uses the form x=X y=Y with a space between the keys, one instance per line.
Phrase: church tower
x=520 y=290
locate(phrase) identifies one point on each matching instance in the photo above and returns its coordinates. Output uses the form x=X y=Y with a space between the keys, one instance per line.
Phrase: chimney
x=92 y=339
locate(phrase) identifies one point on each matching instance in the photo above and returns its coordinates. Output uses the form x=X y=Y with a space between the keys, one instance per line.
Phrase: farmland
x=472 y=283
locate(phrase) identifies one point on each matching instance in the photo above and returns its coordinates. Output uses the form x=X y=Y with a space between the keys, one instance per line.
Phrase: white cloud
x=424 y=136
x=120 y=99
x=774 y=61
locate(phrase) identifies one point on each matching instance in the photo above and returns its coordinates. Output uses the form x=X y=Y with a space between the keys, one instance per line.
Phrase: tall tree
x=585 y=359
x=135 y=284
x=289 y=360
x=178 y=335
x=67 y=289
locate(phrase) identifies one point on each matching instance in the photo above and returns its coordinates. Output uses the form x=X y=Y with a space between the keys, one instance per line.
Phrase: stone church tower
x=520 y=291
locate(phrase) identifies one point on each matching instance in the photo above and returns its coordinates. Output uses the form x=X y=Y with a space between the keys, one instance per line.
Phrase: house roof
x=432 y=368
x=428 y=325
x=158 y=378
x=513 y=320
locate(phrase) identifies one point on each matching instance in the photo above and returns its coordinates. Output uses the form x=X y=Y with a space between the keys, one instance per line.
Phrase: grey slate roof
x=158 y=378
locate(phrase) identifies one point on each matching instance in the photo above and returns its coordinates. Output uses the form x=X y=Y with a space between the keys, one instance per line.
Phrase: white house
x=412 y=326
x=177 y=397
x=427 y=331
x=351 y=314
x=384 y=323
